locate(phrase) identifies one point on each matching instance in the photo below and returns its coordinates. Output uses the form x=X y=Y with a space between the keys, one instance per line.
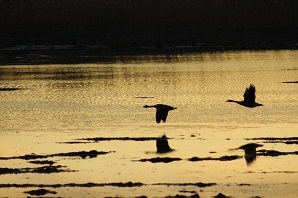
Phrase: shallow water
x=51 y=106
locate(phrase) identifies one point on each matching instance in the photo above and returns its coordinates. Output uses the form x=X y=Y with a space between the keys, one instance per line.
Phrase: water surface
x=50 y=106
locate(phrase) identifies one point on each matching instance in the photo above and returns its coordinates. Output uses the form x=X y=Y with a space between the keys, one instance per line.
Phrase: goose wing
x=162 y=112
x=249 y=94
x=250 y=146
x=159 y=115
x=164 y=116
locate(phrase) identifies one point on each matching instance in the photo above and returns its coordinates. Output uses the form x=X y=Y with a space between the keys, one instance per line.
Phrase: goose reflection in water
x=250 y=152
x=249 y=98
x=161 y=111
x=162 y=145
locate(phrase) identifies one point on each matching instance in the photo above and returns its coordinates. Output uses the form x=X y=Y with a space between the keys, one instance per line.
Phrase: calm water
x=55 y=104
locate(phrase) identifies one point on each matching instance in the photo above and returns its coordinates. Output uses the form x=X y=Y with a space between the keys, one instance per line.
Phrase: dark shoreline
x=42 y=55
x=133 y=45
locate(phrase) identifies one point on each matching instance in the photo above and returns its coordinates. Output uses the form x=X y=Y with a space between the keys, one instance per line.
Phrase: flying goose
x=249 y=98
x=161 y=111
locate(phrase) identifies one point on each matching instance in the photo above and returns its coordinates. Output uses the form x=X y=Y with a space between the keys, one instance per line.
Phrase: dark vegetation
x=220 y=195
x=40 y=192
x=161 y=159
x=291 y=82
x=117 y=184
x=285 y=140
x=81 y=154
x=274 y=153
x=99 y=139
x=193 y=159
x=49 y=162
x=126 y=24
x=40 y=170
x=48 y=166
x=223 y=158
x=196 y=195
x=199 y=184
x=9 y=88
x=84 y=185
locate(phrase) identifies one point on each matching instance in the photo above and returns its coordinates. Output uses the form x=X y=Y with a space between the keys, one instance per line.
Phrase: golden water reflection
x=55 y=104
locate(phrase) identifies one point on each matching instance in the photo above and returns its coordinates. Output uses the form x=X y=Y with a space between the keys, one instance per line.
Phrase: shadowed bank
x=87 y=31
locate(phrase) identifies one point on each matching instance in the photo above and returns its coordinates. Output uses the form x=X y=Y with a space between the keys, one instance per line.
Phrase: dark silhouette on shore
x=250 y=152
x=249 y=98
x=161 y=111
x=162 y=145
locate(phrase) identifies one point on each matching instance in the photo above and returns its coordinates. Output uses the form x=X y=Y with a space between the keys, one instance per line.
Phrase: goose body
x=249 y=98
x=161 y=111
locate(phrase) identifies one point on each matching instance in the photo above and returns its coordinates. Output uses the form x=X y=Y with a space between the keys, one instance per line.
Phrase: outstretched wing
x=250 y=146
x=161 y=114
x=164 y=116
x=158 y=116
x=249 y=94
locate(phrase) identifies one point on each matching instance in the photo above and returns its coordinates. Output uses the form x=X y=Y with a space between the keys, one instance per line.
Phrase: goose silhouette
x=250 y=152
x=161 y=111
x=249 y=98
x=162 y=145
